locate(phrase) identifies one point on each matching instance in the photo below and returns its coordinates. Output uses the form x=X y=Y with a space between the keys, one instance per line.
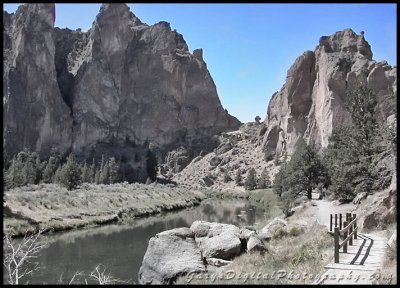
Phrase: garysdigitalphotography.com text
x=280 y=275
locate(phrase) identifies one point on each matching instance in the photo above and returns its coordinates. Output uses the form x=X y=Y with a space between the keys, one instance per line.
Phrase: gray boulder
x=170 y=254
x=217 y=240
x=245 y=233
x=268 y=231
x=217 y=262
x=255 y=244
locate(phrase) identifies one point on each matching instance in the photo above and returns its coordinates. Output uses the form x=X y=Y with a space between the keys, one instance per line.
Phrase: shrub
x=280 y=233
x=296 y=231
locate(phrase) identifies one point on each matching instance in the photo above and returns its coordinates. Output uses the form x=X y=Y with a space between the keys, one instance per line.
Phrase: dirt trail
x=342 y=273
x=324 y=208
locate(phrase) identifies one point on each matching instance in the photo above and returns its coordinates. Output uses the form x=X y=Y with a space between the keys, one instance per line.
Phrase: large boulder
x=217 y=240
x=254 y=244
x=170 y=254
x=268 y=231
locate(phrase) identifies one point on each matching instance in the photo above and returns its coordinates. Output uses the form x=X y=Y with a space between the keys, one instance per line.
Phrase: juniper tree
x=49 y=170
x=105 y=174
x=238 y=178
x=227 y=178
x=352 y=149
x=70 y=173
x=86 y=171
x=93 y=171
x=151 y=165
x=304 y=170
x=251 y=181
x=263 y=181
x=113 y=168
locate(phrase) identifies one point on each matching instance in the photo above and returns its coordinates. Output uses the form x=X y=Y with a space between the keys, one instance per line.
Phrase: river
x=121 y=247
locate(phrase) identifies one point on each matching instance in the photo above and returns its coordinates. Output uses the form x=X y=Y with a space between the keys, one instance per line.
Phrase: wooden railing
x=347 y=229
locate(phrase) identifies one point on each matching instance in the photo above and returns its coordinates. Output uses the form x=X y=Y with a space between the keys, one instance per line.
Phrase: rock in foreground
x=170 y=254
x=181 y=251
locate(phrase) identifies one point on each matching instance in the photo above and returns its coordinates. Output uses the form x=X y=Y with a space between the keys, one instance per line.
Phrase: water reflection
x=121 y=247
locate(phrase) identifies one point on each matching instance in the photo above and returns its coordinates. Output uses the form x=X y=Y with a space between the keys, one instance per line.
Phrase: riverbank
x=52 y=207
x=296 y=254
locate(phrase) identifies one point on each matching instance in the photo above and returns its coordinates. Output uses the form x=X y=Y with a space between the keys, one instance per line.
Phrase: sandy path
x=324 y=208
x=364 y=274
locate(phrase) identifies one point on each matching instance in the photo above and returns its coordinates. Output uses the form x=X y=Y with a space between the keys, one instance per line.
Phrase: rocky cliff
x=310 y=105
x=34 y=113
x=311 y=102
x=121 y=84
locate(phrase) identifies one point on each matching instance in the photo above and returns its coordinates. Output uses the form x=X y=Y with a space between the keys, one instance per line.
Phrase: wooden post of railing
x=336 y=235
x=350 y=231
x=345 y=236
x=340 y=221
x=347 y=217
x=335 y=220
x=331 y=223
x=355 y=226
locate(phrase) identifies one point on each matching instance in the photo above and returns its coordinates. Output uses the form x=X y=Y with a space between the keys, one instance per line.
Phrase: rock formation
x=204 y=247
x=35 y=115
x=311 y=102
x=123 y=83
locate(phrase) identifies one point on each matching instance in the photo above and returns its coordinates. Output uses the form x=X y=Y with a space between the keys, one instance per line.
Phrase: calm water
x=121 y=248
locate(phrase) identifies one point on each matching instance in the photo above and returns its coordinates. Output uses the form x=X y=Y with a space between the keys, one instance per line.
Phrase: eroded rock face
x=141 y=82
x=123 y=82
x=310 y=104
x=35 y=115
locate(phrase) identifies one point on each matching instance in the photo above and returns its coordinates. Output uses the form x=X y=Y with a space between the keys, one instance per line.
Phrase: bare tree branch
x=16 y=258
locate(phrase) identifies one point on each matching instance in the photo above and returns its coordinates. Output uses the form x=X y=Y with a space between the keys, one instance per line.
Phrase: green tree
x=251 y=180
x=86 y=173
x=352 y=149
x=263 y=181
x=93 y=172
x=112 y=164
x=49 y=170
x=70 y=173
x=14 y=176
x=304 y=170
x=58 y=175
x=105 y=174
x=151 y=165
x=238 y=178
x=97 y=176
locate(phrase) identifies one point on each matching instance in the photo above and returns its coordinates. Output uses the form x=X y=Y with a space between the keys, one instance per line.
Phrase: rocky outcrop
x=170 y=254
x=35 y=115
x=178 y=251
x=311 y=102
x=378 y=210
x=123 y=83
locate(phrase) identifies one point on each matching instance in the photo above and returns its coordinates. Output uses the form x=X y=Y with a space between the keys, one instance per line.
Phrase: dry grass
x=291 y=260
x=49 y=206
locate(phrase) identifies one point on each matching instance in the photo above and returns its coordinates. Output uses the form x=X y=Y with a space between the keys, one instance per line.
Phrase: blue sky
x=248 y=48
